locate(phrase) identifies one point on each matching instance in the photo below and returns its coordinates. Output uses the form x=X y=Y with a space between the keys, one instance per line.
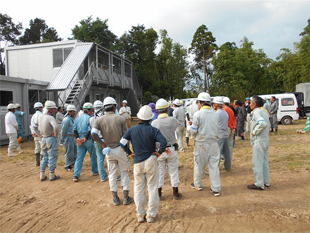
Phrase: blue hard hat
x=247 y=98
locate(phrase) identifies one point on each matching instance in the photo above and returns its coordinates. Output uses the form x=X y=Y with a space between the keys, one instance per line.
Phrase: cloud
x=271 y=25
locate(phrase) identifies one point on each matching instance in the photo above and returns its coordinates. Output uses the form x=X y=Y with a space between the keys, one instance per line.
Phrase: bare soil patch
x=28 y=205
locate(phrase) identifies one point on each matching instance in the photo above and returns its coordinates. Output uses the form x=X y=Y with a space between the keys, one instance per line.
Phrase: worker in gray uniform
x=223 y=140
x=112 y=127
x=273 y=108
x=260 y=141
x=37 y=140
x=167 y=126
x=48 y=129
x=179 y=114
x=206 y=152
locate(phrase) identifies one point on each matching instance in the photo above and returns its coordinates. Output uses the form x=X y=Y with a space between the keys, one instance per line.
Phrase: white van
x=287 y=107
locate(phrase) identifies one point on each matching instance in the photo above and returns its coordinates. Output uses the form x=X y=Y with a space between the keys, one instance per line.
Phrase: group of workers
x=104 y=134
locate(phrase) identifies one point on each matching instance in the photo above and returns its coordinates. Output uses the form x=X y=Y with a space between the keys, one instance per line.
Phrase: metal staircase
x=78 y=89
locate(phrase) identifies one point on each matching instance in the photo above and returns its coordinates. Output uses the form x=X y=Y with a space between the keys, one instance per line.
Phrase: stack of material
x=307 y=128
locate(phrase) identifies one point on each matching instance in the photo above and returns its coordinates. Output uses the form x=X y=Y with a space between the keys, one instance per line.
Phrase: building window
x=60 y=55
x=6 y=98
x=35 y=96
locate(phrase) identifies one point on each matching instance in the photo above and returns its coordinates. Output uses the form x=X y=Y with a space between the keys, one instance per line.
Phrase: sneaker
x=61 y=144
x=21 y=152
x=75 y=178
x=141 y=219
x=12 y=155
x=194 y=187
x=150 y=219
x=267 y=185
x=216 y=194
x=45 y=177
x=104 y=180
x=253 y=186
x=95 y=174
x=68 y=169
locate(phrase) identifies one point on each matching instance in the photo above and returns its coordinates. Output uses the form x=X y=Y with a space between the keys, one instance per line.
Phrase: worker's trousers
x=170 y=162
x=21 y=132
x=231 y=142
x=38 y=145
x=50 y=152
x=71 y=151
x=179 y=133
x=81 y=152
x=117 y=160
x=207 y=153
x=13 y=143
x=59 y=133
x=260 y=163
x=146 y=173
x=273 y=121
x=100 y=160
x=225 y=151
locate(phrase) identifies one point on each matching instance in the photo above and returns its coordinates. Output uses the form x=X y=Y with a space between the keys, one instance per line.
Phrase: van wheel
x=286 y=120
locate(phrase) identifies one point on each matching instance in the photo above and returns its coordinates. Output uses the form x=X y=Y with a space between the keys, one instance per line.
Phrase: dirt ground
x=29 y=205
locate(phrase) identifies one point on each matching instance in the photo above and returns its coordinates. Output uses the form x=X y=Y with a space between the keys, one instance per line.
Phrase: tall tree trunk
x=204 y=71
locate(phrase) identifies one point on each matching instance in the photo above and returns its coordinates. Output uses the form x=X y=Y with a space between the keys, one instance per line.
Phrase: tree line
x=167 y=69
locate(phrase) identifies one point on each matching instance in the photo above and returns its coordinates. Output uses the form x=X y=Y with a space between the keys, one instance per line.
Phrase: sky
x=270 y=25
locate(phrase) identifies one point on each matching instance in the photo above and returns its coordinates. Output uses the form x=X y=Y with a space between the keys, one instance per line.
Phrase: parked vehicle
x=303 y=93
x=287 y=107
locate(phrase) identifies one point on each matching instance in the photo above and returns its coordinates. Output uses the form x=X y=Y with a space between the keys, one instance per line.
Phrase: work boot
x=176 y=194
x=187 y=141
x=271 y=130
x=53 y=176
x=42 y=176
x=159 y=192
x=116 y=200
x=276 y=131
x=127 y=200
x=38 y=159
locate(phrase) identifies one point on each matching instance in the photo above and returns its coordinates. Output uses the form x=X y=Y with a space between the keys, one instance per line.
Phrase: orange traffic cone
x=20 y=139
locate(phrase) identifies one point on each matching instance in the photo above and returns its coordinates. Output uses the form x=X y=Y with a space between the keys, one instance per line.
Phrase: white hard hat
x=204 y=96
x=226 y=100
x=10 y=106
x=161 y=104
x=38 y=105
x=109 y=101
x=17 y=105
x=177 y=102
x=50 y=104
x=145 y=113
x=124 y=101
x=218 y=100
x=71 y=107
x=98 y=104
x=88 y=105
